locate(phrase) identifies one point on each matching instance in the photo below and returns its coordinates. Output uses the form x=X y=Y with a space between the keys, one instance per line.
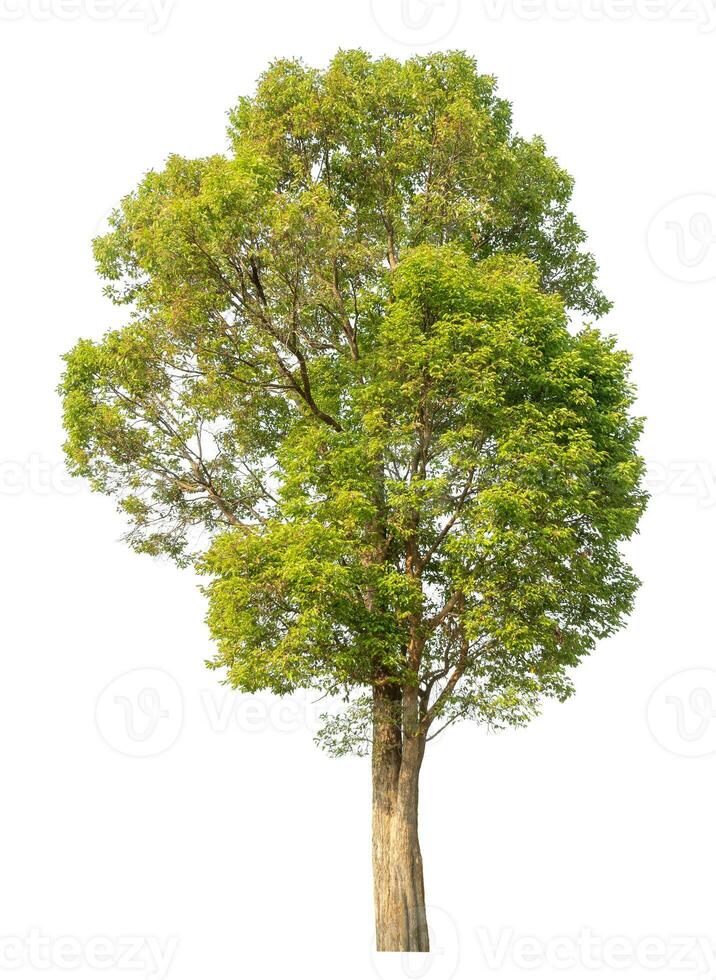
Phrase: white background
x=240 y=848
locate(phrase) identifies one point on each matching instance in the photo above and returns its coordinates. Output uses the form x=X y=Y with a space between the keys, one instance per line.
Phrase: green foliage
x=348 y=393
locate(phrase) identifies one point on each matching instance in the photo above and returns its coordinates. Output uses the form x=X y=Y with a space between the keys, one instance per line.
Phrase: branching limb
x=441 y=700
x=450 y=523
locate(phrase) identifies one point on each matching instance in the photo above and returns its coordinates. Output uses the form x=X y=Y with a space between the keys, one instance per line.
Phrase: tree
x=349 y=393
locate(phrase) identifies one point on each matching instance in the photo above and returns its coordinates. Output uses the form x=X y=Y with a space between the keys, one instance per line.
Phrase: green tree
x=348 y=392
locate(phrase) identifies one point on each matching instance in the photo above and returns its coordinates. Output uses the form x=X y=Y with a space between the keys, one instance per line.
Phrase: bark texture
x=400 y=918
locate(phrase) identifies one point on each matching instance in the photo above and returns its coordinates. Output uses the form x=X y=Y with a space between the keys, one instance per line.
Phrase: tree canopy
x=348 y=391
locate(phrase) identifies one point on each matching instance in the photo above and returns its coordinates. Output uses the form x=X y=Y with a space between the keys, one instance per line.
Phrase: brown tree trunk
x=399 y=892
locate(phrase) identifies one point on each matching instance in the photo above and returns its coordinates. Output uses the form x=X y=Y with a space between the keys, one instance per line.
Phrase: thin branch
x=457 y=673
x=450 y=523
x=439 y=618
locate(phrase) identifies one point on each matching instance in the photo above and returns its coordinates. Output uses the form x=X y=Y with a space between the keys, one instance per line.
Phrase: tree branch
x=451 y=521
x=442 y=699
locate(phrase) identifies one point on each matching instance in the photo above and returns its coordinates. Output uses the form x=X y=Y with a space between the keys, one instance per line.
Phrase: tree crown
x=349 y=392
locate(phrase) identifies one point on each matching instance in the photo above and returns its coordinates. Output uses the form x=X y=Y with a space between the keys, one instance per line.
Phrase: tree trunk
x=399 y=892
